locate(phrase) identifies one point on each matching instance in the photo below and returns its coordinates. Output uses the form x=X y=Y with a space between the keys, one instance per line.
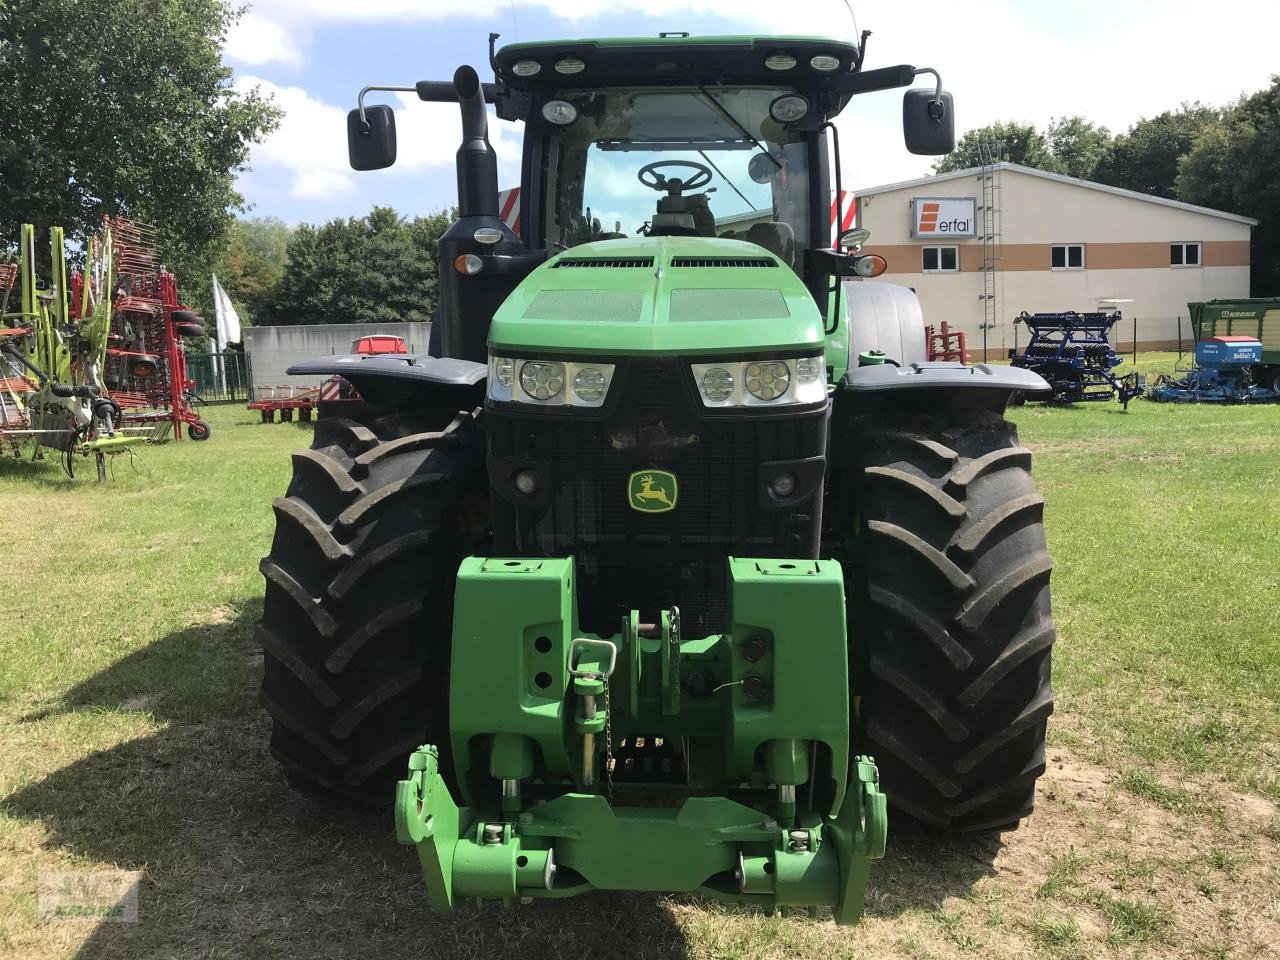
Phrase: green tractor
x=667 y=538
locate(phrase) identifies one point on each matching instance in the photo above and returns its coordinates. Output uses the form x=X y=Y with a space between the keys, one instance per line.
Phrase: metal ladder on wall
x=989 y=153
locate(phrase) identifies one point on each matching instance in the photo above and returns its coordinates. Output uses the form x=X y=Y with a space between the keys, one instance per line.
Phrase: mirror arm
x=435 y=91
x=364 y=123
x=935 y=105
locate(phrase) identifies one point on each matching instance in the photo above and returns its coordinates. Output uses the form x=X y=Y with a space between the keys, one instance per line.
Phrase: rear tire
x=953 y=625
x=357 y=619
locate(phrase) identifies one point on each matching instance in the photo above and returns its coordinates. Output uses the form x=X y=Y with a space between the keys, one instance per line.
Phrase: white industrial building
x=272 y=350
x=979 y=246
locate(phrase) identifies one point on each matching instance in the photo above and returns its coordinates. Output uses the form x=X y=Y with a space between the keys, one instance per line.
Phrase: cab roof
x=647 y=60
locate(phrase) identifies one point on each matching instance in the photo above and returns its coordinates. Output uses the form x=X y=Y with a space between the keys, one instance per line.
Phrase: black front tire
x=199 y=430
x=357 y=619
x=952 y=628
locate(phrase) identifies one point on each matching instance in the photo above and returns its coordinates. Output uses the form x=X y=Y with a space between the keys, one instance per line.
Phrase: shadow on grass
x=238 y=865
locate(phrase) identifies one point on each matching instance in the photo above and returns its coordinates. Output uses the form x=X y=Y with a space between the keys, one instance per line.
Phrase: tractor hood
x=659 y=295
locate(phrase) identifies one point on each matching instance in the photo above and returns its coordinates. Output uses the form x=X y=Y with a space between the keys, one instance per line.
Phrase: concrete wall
x=1126 y=257
x=272 y=350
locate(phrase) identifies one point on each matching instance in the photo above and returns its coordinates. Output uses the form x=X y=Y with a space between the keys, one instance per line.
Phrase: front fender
x=939 y=383
x=395 y=375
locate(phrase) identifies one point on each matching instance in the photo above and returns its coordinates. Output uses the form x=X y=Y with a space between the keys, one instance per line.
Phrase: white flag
x=227 y=320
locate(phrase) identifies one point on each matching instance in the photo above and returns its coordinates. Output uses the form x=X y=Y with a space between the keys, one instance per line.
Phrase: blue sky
x=1111 y=61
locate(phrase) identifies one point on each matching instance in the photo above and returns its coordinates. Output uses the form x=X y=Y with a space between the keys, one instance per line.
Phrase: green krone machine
x=638 y=570
x=63 y=352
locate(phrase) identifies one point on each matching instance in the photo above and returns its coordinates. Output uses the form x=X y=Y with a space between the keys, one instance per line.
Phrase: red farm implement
x=14 y=385
x=286 y=401
x=146 y=358
x=946 y=344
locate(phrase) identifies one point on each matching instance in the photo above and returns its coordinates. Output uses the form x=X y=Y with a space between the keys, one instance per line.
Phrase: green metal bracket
x=427 y=817
x=538 y=709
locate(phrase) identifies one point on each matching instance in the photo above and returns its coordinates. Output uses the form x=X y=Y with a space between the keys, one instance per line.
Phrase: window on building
x=1067 y=256
x=940 y=259
x=1184 y=254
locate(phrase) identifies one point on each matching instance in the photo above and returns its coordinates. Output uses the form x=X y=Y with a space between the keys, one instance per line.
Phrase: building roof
x=1060 y=178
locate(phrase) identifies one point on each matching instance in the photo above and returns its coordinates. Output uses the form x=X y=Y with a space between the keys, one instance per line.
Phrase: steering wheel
x=654 y=180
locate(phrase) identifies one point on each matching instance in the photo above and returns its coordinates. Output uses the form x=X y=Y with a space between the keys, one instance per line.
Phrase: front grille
x=723 y=262
x=610 y=262
x=649 y=561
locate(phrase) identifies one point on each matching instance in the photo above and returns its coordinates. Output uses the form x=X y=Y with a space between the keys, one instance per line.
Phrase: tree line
x=378 y=268
x=125 y=108
x=1225 y=158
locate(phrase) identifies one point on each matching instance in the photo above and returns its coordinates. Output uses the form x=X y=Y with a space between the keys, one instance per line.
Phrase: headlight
x=541 y=381
x=589 y=385
x=768 y=380
x=761 y=383
x=717 y=385
x=549 y=382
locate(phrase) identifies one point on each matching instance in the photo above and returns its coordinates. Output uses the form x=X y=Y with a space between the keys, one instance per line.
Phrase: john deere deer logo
x=652 y=491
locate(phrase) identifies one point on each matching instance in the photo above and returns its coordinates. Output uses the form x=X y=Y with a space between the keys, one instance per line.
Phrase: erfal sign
x=944 y=217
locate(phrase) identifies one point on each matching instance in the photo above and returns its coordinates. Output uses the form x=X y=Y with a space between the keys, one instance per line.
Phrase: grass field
x=130 y=738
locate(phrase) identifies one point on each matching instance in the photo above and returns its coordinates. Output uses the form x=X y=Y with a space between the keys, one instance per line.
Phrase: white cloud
x=1111 y=62
x=428 y=134
x=255 y=40
x=310 y=147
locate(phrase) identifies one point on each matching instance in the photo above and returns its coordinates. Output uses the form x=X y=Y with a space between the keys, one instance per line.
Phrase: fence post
x=1135 y=339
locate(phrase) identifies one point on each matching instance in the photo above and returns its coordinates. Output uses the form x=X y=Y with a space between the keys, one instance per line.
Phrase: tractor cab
x=674 y=136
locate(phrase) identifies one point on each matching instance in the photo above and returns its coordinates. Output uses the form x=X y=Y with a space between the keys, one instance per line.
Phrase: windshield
x=673 y=162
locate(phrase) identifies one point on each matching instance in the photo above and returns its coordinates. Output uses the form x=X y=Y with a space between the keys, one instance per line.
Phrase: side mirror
x=928 y=122
x=371 y=142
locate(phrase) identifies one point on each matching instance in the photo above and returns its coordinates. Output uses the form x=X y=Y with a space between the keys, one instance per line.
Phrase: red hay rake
x=146 y=360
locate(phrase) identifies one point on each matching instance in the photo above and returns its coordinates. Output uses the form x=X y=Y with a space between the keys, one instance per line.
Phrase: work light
x=788 y=108
x=560 y=112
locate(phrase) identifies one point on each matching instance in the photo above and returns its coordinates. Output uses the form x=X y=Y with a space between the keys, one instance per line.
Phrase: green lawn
x=130 y=738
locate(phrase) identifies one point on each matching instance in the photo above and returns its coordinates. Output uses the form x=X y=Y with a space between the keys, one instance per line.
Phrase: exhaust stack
x=477 y=163
x=468 y=302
